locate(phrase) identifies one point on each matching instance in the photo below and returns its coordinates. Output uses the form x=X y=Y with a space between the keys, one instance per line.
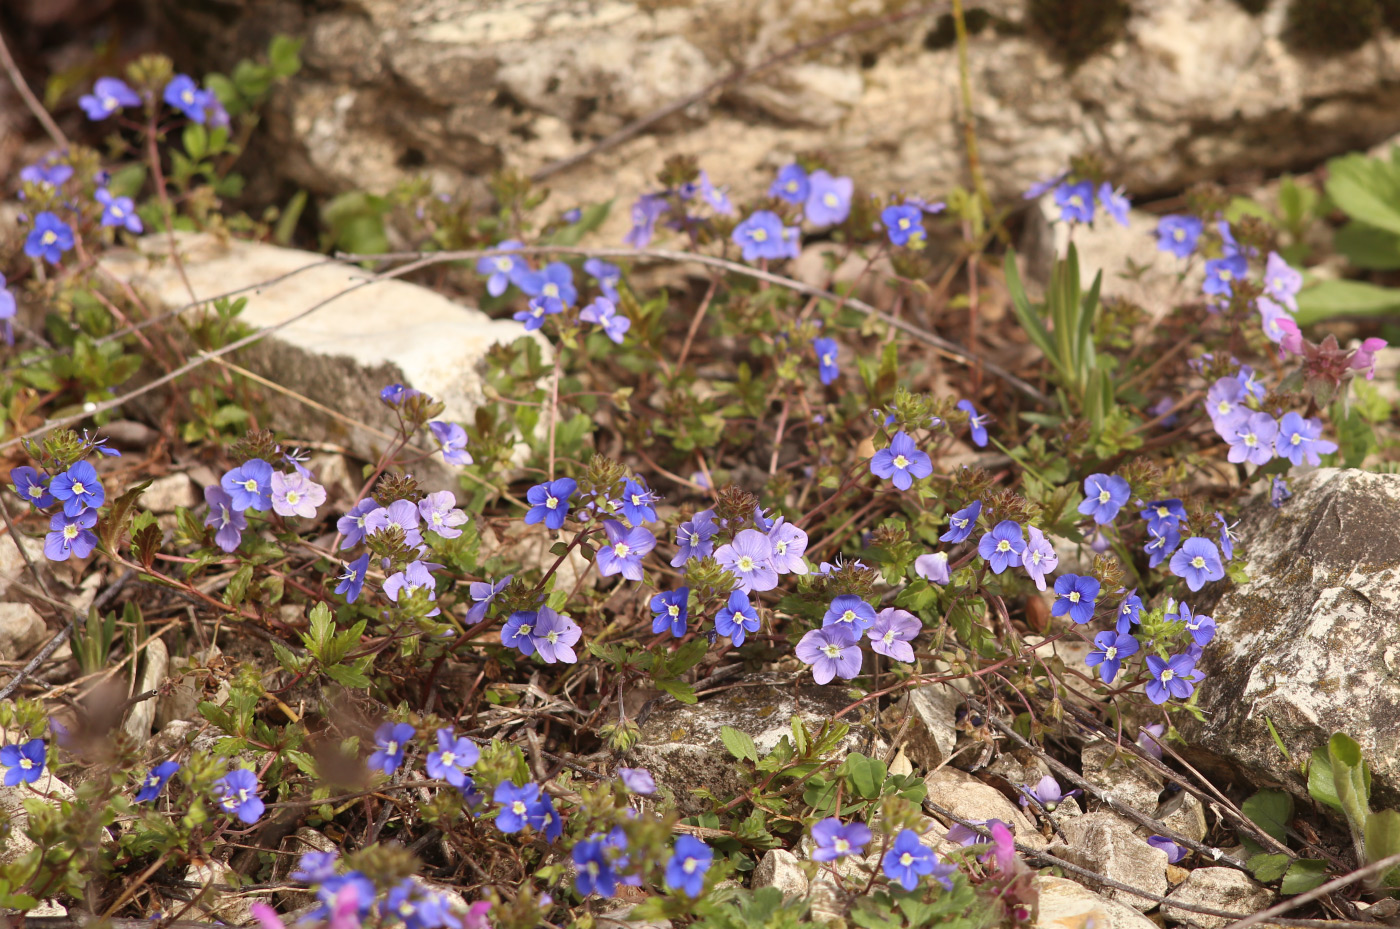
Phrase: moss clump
x=1324 y=27
x=1076 y=29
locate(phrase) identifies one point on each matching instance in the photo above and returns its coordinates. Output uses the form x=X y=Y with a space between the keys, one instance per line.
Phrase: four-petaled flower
x=1178 y=234
x=625 y=549
x=49 y=238
x=391 y=742
x=1003 y=546
x=892 y=632
x=453 y=439
x=603 y=312
x=184 y=94
x=689 y=862
x=909 y=859
x=904 y=223
x=835 y=841
x=1170 y=678
x=828 y=198
x=1300 y=440
x=502 y=270
x=33 y=485
x=832 y=651
x=1039 y=558
x=976 y=421
x=352 y=578
x=70 y=536
x=850 y=611
x=750 y=559
x=109 y=94
x=901 y=462
x=118 y=211
x=295 y=494
x=1076 y=202
x=961 y=523
x=1104 y=496
x=827 y=368
x=789 y=542
x=78 y=489
x=737 y=618
x=23 y=764
x=1221 y=274
x=249 y=485
x=549 y=502
x=669 y=609
x=1198 y=561
x=791 y=184
x=1253 y=439
x=155 y=781
x=452 y=758
x=761 y=236
x=1110 y=648
x=237 y=793
x=1075 y=596
x=228 y=523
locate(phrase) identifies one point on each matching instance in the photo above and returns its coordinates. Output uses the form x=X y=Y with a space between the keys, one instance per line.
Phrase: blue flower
x=1110 y=648
x=1253 y=439
x=791 y=185
x=517 y=805
x=33 y=486
x=184 y=94
x=828 y=198
x=594 y=870
x=109 y=94
x=625 y=550
x=118 y=211
x=536 y=310
x=391 y=742
x=1170 y=678
x=1104 y=496
x=1221 y=273
x=482 y=593
x=637 y=500
x=78 y=489
x=933 y=568
x=1178 y=234
x=227 y=522
x=1227 y=537
x=977 y=422
x=315 y=867
x=761 y=236
x=737 y=618
x=693 y=538
x=669 y=608
x=1076 y=202
x=607 y=275
x=1202 y=628
x=49 y=238
x=249 y=485
x=397 y=394
x=1278 y=492
x=1197 y=561
x=834 y=840
x=1174 y=852
x=352 y=579
x=1130 y=612
x=155 y=781
x=1282 y=282
x=892 y=632
x=415 y=576
x=645 y=212
x=502 y=269
x=832 y=651
x=749 y=557
x=1114 y=203
x=1162 y=540
x=716 y=197
x=23 y=764
x=440 y=514
x=689 y=862
x=453 y=439
x=237 y=793
x=1300 y=440
x=549 y=502
x=850 y=611
x=352 y=524
x=555 y=279
x=904 y=223
x=1003 y=546
x=961 y=523
x=901 y=462
x=827 y=369
x=1076 y=594
x=70 y=536
x=454 y=755
x=788 y=543
x=602 y=312
x=417 y=907
x=1160 y=513
x=518 y=631
x=907 y=860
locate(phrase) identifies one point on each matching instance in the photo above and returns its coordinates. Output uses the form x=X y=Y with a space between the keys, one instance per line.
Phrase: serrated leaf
x=1271 y=811
x=1268 y=868
x=237 y=588
x=680 y=690
x=740 y=744
x=110 y=529
x=348 y=676
x=1303 y=875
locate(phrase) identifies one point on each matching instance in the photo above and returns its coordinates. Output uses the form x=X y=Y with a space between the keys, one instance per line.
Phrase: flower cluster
x=75 y=494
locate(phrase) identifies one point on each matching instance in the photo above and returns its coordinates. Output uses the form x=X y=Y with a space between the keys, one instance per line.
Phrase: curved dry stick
x=31 y=101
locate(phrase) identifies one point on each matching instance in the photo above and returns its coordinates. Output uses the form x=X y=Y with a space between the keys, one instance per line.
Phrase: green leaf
x=1267 y=868
x=1320 y=786
x=348 y=676
x=740 y=744
x=1303 y=875
x=866 y=775
x=1271 y=811
x=196 y=140
x=1352 y=778
x=1296 y=202
x=680 y=690
x=290 y=216
x=591 y=218
x=1028 y=317
x=1382 y=836
x=1329 y=299
x=284 y=53
x=1366 y=189
x=1368 y=247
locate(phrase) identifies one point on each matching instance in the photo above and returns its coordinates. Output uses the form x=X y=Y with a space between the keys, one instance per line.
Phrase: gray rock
x=339 y=356
x=1121 y=775
x=968 y=798
x=167 y=493
x=455 y=89
x=780 y=868
x=12 y=566
x=1311 y=642
x=155 y=666
x=619 y=917
x=22 y=629
x=1185 y=816
x=15 y=844
x=680 y=745
x=1064 y=903
x=1105 y=843
x=236 y=908
x=1219 y=888
x=929 y=738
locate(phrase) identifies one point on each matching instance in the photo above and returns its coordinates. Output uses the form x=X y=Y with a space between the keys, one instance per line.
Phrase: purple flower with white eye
x=1076 y=595
x=1225 y=400
x=118 y=211
x=832 y=651
x=184 y=94
x=1253 y=440
x=237 y=793
x=482 y=593
x=904 y=223
x=46 y=173
x=227 y=522
x=549 y=502
x=1149 y=739
x=502 y=270
x=1110 y=648
x=716 y=197
x=962 y=835
x=397 y=394
x=637 y=500
x=49 y=238
x=828 y=198
x=1114 y=203
x=1227 y=537
x=249 y=485
x=933 y=568
x=892 y=632
x=1202 y=628
x=625 y=549
x=1272 y=317
x=155 y=781
x=1039 y=558
x=1282 y=281
x=1162 y=540
x=1174 y=852
x=1076 y=202
x=761 y=236
x=961 y=523
x=1170 y=678
x=352 y=524
x=685 y=871
x=109 y=94
x=901 y=462
x=603 y=312
x=1164 y=512
x=1221 y=273
x=1003 y=546
x=977 y=422
x=1130 y=612
x=669 y=611
x=554 y=280
x=834 y=840
x=737 y=618
x=1104 y=496
x=294 y=495
x=33 y=485
x=78 y=489
x=519 y=631
x=70 y=536
x=536 y=310
x=352 y=578
x=391 y=741
x=554 y=636
x=1046 y=794
x=827 y=368
x=453 y=439
x=23 y=764
x=1198 y=562
x=749 y=557
x=414 y=576
x=637 y=780
x=647 y=209
x=607 y=275
x=851 y=611
x=453 y=757
x=908 y=859
x=788 y=544
x=1179 y=235
x=693 y=538
x=440 y=514
x=791 y=185
x=1300 y=440
x=400 y=513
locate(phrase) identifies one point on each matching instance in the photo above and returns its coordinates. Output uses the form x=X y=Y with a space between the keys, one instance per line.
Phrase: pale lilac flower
x=789 y=542
x=440 y=514
x=892 y=632
x=832 y=651
x=750 y=559
x=294 y=495
x=932 y=568
x=1039 y=558
x=401 y=513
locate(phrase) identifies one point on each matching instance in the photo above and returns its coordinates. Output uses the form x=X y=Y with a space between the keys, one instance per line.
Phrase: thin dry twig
x=32 y=102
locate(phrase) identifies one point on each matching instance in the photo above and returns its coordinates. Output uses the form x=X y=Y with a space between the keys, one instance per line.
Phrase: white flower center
x=1074 y=596
x=293 y=497
x=889 y=637
x=689 y=866
x=745 y=563
x=26 y=764
x=70 y=532
x=1198 y=562
x=48 y=238
x=622 y=549
x=1295 y=438
x=760 y=235
x=251 y=485
x=1111 y=652
x=1179 y=234
x=1225 y=275
x=1223 y=407
x=1104 y=496
x=550 y=290
x=518 y=808
x=842 y=846
x=830 y=200
x=391 y=747
x=1003 y=546
x=78 y=489
x=1167 y=675
x=901 y=462
x=831 y=650
x=525 y=629
x=906 y=859
x=449 y=759
x=551 y=502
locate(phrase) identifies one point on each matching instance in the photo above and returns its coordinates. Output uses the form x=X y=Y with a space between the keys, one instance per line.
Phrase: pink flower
x=1365 y=357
